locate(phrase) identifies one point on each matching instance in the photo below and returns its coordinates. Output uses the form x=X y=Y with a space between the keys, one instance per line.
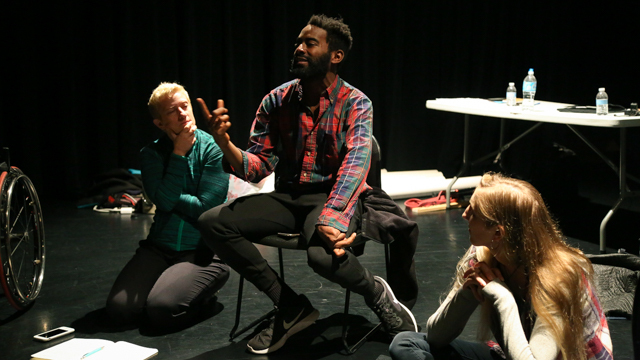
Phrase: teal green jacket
x=182 y=188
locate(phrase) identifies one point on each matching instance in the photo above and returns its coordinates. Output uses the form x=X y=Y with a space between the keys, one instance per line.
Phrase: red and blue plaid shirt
x=334 y=152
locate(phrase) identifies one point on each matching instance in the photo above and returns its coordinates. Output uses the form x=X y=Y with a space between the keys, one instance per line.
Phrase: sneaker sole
x=393 y=296
x=299 y=326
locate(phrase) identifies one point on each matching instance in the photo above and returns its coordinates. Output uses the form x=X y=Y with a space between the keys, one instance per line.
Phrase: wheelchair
x=22 y=251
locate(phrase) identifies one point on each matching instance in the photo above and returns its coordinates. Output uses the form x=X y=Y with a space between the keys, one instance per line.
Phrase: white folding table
x=543 y=112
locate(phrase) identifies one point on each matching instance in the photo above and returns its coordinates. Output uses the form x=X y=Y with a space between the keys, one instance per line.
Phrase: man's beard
x=316 y=67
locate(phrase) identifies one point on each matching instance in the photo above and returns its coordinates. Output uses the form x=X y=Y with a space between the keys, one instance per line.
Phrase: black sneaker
x=285 y=323
x=394 y=316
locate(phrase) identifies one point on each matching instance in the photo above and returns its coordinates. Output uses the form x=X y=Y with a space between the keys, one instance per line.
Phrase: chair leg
x=350 y=349
x=281 y=264
x=345 y=325
x=387 y=259
x=234 y=334
x=345 y=329
x=635 y=322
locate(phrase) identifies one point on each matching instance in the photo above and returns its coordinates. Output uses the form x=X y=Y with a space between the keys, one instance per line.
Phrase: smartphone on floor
x=54 y=333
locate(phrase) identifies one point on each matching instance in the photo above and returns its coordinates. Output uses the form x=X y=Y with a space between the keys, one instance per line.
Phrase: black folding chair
x=291 y=242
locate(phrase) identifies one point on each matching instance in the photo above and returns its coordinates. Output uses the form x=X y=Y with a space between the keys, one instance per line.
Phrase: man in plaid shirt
x=315 y=133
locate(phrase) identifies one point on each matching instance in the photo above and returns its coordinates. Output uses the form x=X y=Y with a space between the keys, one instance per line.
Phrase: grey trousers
x=168 y=286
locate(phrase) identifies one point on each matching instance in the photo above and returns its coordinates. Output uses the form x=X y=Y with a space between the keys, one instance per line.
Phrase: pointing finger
x=205 y=109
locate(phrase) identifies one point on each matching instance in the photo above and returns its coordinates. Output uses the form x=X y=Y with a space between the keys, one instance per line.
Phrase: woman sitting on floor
x=536 y=292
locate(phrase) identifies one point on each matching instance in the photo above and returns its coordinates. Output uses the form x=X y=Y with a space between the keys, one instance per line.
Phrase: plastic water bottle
x=511 y=94
x=528 y=91
x=602 y=102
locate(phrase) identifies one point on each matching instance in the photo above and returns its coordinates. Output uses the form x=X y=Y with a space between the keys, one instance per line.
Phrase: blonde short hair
x=163 y=91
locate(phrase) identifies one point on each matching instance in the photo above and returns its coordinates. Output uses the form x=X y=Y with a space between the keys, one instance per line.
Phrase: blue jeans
x=411 y=345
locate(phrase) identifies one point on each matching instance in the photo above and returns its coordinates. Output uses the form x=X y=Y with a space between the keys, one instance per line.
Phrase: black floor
x=86 y=250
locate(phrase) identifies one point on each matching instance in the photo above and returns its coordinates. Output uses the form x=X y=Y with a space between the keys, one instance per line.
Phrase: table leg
x=498 y=158
x=622 y=178
x=623 y=162
x=465 y=154
x=603 y=225
x=465 y=164
x=505 y=147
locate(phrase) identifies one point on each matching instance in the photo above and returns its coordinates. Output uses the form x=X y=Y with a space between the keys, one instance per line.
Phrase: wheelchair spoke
x=5 y=265
x=21 y=262
x=16 y=220
x=14 y=248
x=26 y=230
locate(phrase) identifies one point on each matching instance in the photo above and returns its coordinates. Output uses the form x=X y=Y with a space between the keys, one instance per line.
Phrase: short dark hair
x=338 y=33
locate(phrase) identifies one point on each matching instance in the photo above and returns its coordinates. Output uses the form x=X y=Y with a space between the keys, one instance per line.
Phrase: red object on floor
x=440 y=199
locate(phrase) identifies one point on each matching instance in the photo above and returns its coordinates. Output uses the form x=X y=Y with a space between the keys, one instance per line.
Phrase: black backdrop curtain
x=78 y=74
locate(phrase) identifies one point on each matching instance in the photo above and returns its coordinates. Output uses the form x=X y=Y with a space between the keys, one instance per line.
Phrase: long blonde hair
x=532 y=239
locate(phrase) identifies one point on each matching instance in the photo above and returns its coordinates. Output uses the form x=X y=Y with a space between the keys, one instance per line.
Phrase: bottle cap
x=531 y=71
x=601 y=89
x=512 y=84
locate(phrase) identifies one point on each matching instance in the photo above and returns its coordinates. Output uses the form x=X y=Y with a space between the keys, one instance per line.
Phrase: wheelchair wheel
x=21 y=239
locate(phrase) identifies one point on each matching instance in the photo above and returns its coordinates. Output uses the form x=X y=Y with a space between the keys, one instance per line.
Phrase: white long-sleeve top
x=449 y=320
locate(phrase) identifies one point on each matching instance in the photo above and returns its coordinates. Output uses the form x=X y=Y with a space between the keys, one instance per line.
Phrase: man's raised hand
x=218 y=121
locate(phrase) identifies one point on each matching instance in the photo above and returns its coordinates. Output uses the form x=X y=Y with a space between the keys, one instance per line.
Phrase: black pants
x=168 y=285
x=229 y=230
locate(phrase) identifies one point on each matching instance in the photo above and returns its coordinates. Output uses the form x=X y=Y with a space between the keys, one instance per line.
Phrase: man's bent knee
x=211 y=225
x=320 y=261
